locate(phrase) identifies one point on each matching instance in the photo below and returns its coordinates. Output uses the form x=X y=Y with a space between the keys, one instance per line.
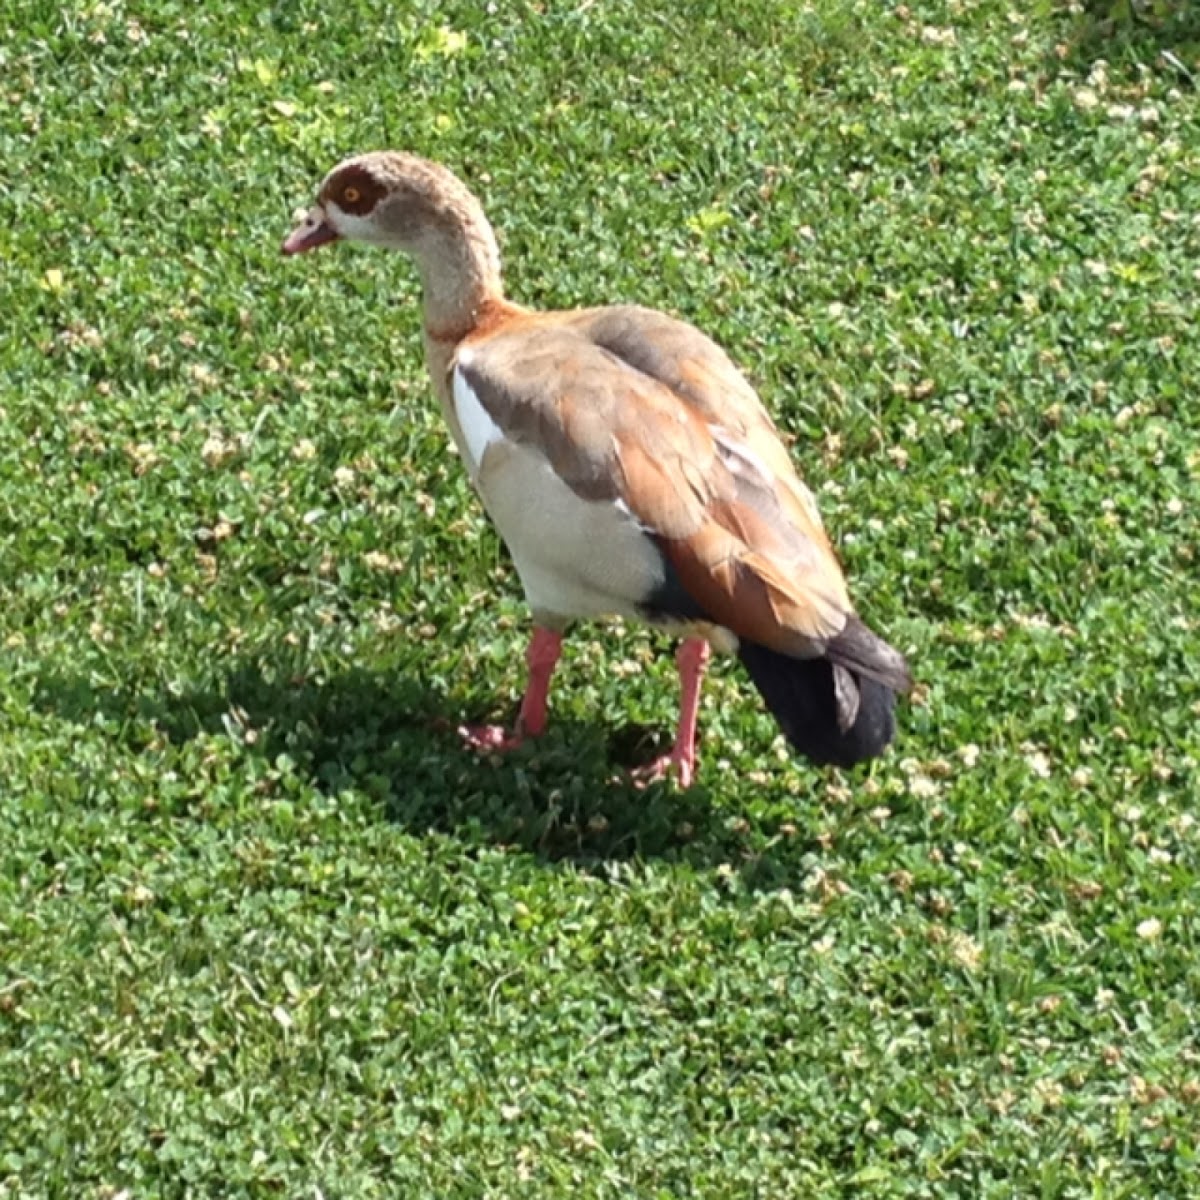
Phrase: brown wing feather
x=700 y=373
x=793 y=611
x=631 y=405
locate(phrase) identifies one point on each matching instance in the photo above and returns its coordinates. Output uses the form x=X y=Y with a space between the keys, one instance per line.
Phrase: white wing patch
x=743 y=454
x=742 y=460
x=478 y=429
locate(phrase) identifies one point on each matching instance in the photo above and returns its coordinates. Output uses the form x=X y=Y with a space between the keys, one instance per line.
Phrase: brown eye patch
x=353 y=189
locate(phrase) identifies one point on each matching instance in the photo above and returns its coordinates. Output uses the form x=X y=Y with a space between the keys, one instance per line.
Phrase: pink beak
x=312 y=232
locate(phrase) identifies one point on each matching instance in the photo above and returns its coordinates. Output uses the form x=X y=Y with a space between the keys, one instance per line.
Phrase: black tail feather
x=864 y=652
x=800 y=693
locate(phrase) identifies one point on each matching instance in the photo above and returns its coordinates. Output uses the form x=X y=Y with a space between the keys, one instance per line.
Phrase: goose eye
x=352 y=195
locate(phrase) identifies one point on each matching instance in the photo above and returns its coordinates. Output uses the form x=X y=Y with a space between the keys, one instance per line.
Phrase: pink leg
x=692 y=658
x=542 y=656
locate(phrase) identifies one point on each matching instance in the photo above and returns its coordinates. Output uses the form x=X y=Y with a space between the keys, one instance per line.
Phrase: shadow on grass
x=1166 y=32
x=565 y=796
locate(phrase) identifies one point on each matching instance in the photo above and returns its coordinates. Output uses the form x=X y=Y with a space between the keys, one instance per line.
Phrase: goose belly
x=576 y=558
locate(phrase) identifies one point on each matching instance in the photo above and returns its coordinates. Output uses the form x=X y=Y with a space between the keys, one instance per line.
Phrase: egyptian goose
x=631 y=470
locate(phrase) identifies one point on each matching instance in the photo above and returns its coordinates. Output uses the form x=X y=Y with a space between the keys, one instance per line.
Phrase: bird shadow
x=566 y=796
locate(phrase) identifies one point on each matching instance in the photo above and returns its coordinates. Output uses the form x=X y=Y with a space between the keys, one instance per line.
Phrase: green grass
x=266 y=931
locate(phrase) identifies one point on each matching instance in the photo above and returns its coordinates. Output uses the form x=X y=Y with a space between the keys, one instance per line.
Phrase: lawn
x=266 y=930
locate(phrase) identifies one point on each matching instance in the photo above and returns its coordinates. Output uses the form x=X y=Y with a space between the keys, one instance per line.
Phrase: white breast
x=576 y=558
